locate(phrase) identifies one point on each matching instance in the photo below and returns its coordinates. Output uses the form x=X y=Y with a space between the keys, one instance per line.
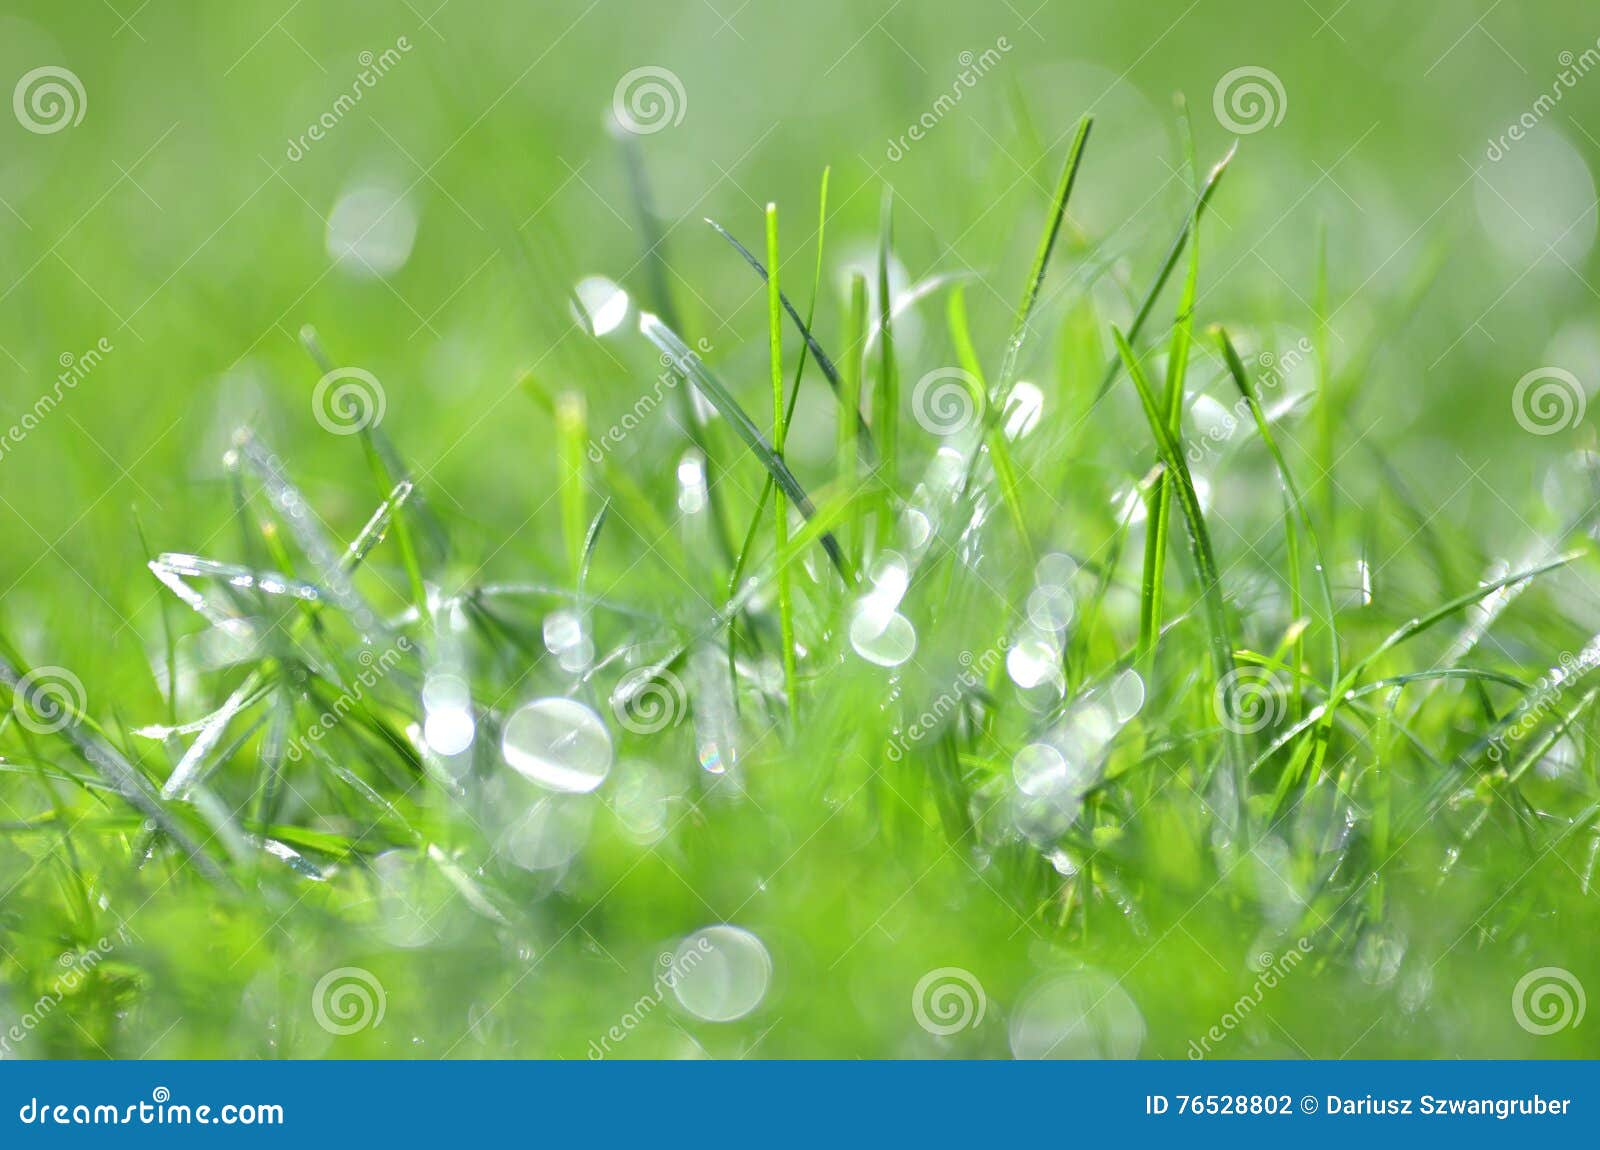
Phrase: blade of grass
x=571 y=422
x=994 y=433
x=1165 y=272
x=799 y=372
x=886 y=395
x=1155 y=548
x=1241 y=380
x=1216 y=613
x=848 y=452
x=717 y=394
x=1041 y=263
x=780 y=434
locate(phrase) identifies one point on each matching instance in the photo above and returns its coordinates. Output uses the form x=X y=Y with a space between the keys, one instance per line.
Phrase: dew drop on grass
x=551 y=833
x=412 y=898
x=887 y=639
x=891 y=575
x=568 y=640
x=558 y=743
x=1031 y=662
x=721 y=973
x=1039 y=769
x=370 y=231
x=1080 y=1015
x=641 y=801
x=1023 y=408
x=1126 y=696
x=1379 y=954
x=605 y=305
x=1051 y=607
x=448 y=728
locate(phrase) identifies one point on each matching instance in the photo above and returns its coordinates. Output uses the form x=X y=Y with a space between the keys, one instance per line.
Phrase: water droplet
x=1080 y=1015
x=551 y=833
x=1126 y=695
x=1031 y=662
x=721 y=973
x=413 y=898
x=641 y=801
x=1379 y=954
x=1040 y=769
x=447 y=702
x=605 y=305
x=558 y=743
x=692 y=492
x=888 y=642
x=370 y=231
x=562 y=629
x=1023 y=408
x=1051 y=607
x=890 y=577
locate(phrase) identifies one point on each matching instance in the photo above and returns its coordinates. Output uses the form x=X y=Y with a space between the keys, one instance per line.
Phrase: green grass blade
x=1153 y=581
x=1171 y=261
x=1216 y=612
x=886 y=396
x=848 y=452
x=1005 y=469
x=780 y=434
x=718 y=395
x=1041 y=261
x=1241 y=379
x=571 y=431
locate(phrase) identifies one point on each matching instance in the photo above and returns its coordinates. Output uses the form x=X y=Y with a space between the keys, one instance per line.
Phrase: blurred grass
x=172 y=224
